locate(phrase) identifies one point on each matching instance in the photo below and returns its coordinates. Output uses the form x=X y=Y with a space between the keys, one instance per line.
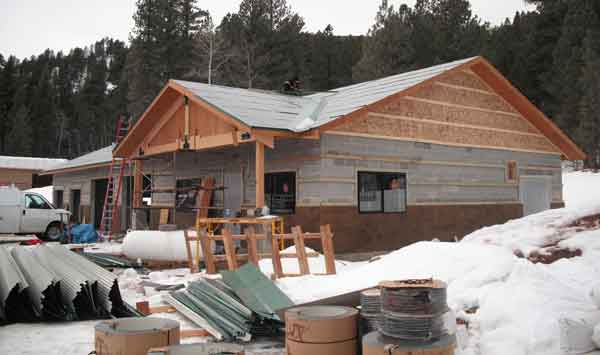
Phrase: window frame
x=295 y=184
x=382 y=210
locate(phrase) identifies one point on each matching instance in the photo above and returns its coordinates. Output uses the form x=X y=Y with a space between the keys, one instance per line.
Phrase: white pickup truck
x=23 y=212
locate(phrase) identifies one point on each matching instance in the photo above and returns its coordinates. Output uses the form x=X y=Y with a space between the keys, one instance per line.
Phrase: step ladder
x=116 y=172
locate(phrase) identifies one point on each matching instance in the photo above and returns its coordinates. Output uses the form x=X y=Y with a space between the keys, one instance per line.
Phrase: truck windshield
x=36 y=202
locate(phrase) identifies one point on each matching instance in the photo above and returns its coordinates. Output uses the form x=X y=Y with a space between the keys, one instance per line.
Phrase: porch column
x=260 y=175
x=138 y=182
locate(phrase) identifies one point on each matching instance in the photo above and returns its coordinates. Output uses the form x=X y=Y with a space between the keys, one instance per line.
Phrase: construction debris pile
x=240 y=306
x=52 y=283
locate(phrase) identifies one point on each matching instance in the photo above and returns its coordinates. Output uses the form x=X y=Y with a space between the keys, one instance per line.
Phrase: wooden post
x=229 y=250
x=252 y=245
x=186 y=128
x=209 y=260
x=138 y=183
x=328 y=252
x=300 y=250
x=260 y=175
x=276 y=257
x=191 y=264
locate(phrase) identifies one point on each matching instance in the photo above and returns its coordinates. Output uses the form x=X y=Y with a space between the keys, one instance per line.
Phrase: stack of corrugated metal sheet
x=54 y=283
x=15 y=304
x=241 y=306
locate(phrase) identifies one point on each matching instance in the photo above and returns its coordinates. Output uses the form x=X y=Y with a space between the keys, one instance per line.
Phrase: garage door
x=535 y=193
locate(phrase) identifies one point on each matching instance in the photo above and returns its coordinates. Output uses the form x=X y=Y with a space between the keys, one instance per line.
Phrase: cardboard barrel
x=135 y=336
x=376 y=343
x=321 y=330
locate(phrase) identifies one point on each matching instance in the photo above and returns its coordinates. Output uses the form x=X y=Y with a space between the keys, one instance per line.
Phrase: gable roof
x=271 y=110
x=27 y=163
x=96 y=158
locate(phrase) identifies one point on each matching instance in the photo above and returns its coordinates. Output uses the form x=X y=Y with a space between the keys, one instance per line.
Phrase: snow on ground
x=517 y=303
x=581 y=188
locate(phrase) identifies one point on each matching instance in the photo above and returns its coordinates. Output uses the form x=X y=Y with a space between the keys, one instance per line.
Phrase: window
x=36 y=202
x=381 y=192
x=280 y=192
x=511 y=171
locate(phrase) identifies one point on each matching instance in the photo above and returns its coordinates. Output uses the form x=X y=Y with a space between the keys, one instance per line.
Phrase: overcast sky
x=28 y=27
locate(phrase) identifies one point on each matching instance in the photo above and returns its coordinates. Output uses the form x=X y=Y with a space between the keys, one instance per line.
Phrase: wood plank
x=276 y=257
x=301 y=250
x=138 y=183
x=229 y=250
x=328 y=252
x=188 y=249
x=207 y=254
x=252 y=246
x=260 y=174
x=216 y=141
x=162 y=148
x=164 y=216
x=191 y=333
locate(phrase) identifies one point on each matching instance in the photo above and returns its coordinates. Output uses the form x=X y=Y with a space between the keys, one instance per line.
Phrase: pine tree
x=20 y=140
x=589 y=107
x=8 y=86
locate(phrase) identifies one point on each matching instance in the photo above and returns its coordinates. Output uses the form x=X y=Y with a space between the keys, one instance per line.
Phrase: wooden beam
x=328 y=252
x=207 y=142
x=160 y=149
x=252 y=245
x=266 y=139
x=229 y=250
x=260 y=174
x=138 y=182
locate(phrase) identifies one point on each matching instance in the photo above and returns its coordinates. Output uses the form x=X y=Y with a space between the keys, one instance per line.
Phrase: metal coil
x=413 y=309
x=370 y=301
x=369 y=322
x=413 y=300
x=411 y=327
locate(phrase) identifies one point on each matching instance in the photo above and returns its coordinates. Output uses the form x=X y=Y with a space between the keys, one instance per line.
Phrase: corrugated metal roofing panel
x=273 y=110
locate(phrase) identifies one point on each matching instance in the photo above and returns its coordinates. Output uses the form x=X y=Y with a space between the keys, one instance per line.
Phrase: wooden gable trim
x=166 y=117
x=207 y=106
x=491 y=76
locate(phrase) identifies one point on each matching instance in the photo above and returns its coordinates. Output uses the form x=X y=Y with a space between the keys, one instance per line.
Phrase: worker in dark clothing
x=292 y=86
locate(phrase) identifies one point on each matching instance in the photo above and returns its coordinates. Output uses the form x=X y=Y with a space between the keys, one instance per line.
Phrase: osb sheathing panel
x=464 y=97
x=441 y=113
x=435 y=133
x=455 y=116
x=467 y=79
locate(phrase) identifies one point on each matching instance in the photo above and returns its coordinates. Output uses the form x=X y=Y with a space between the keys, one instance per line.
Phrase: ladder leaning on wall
x=116 y=171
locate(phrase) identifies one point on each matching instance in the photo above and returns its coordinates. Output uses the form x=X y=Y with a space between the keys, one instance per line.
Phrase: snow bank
x=581 y=188
x=466 y=268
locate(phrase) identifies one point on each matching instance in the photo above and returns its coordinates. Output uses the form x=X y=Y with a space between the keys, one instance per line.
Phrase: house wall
x=451 y=191
x=83 y=180
x=23 y=179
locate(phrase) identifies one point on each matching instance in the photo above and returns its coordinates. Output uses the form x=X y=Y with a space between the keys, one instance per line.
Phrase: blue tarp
x=83 y=233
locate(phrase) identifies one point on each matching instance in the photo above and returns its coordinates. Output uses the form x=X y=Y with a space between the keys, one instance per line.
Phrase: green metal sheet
x=257 y=292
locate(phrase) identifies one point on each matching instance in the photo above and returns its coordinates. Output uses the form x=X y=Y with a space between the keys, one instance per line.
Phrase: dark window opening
x=381 y=192
x=280 y=192
x=58 y=198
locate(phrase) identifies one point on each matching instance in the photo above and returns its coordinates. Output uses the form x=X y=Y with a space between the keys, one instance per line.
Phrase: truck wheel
x=53 y=232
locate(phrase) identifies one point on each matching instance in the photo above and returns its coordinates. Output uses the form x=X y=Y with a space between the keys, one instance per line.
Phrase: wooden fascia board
x=489 y=74
x=118 y=151
x=163 y=120
x=386 y=100
x=265 y=138
x=207 y=106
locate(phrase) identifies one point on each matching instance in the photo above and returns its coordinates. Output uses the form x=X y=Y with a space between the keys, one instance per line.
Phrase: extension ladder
x=116 y=170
